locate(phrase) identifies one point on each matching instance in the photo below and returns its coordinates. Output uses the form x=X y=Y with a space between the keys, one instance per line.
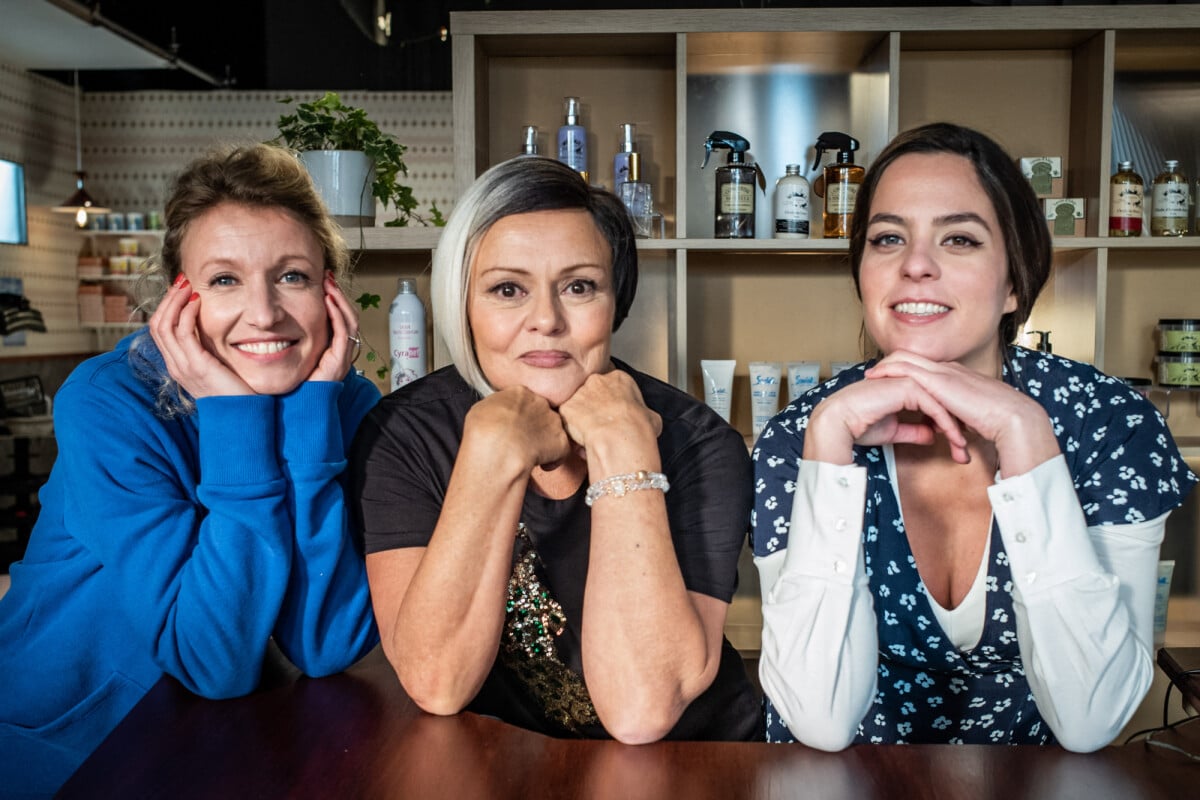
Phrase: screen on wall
x=13 y=223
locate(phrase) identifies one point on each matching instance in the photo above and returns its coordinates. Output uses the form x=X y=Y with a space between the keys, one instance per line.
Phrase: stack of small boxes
x=1064 y=215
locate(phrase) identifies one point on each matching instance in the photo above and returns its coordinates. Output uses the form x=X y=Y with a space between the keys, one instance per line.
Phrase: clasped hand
x=176 y=331
x=607 y=407
x=907 y=399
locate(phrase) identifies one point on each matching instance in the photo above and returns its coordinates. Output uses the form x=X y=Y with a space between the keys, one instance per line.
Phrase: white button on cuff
x=842 y=482
x=839 y=566
x=840 y=525
x=1020 y=537
x=1007 y=497
x=1031 y=577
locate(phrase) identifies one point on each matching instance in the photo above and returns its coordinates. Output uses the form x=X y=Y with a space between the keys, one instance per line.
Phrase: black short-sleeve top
x=400 y=469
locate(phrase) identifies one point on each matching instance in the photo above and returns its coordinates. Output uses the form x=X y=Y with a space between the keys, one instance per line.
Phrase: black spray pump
x=839 y=183
x=734 y=214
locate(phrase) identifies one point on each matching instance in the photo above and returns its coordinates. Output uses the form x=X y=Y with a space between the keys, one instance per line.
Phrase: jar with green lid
x=1179 y=370
x=1179 y=335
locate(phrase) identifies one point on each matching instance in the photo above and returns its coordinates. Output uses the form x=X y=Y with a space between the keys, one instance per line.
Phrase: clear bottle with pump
x=638 y=198
x=406 y=334
x=733 y=217
x=572 y=138
x=1126 y=201
x=529 y=140
x=841 y=181
x=792 y=194
x=626 y=152
x=1169 y=206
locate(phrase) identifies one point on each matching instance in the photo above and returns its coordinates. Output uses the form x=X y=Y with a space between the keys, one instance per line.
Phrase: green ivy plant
x=366 y=301
x=329 y=124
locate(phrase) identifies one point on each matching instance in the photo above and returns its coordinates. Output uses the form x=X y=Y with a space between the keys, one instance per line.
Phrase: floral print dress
x=1126 y=469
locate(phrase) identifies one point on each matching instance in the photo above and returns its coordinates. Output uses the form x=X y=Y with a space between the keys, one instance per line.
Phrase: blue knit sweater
x=175 y=546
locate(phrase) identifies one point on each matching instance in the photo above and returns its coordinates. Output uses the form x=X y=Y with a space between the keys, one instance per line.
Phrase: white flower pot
x=343 y=178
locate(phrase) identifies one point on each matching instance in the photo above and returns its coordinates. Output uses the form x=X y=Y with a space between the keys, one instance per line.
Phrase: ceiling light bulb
x=81 y=217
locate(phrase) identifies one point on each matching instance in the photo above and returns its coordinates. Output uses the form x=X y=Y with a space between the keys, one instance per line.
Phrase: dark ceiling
x=305 y=44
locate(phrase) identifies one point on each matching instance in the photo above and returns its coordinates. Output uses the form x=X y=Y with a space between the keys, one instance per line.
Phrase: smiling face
x=934 y=271
x=540 y=302
x=260 y=276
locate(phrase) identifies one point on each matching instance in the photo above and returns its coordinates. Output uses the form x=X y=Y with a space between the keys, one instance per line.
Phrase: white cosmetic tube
x=802 y=376
x=764 y=393
x=1162 y=594
x=837 y=366
x=718 y=385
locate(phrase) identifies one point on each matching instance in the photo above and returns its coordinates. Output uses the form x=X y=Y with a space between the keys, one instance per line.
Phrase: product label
x=1170 y=201
x=572 y=148
x=799 y=226
x=1126 y=200
x=839 y=197
x=737 y=198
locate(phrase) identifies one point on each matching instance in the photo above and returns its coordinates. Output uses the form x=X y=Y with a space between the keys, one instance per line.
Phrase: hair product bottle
x=733 y=217
x=529 y=140
x=638 y=198
x=1169 y=207
x=841 y=181
x=572 y=137
x=406 y=334
x=791 y=204
x=626 y=153
x=1126 y=193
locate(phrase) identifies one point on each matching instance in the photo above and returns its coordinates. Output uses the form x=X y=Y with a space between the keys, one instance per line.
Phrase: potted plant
x=330 y=136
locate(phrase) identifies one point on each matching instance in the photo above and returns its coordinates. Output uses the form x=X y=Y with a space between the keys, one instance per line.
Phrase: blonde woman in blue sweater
x=196 y=508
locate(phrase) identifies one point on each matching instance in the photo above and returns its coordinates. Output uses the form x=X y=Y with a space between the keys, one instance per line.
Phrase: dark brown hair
x=1027 y=242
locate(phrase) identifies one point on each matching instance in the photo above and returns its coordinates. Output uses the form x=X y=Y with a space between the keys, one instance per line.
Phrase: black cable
x=1149 y=733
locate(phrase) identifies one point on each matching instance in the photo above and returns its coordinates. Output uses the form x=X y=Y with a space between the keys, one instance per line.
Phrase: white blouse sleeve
x=1084 y=602
x=819 y=645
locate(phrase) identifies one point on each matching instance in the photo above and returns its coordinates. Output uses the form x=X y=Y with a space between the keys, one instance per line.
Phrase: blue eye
x=222 y=280
x=294 y=277
x=886 y=240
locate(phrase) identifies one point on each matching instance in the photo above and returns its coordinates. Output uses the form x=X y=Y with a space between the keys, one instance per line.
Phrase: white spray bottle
x=406 y=334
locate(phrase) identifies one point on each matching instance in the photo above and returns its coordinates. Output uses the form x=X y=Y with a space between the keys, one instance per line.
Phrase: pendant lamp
x=80 y=203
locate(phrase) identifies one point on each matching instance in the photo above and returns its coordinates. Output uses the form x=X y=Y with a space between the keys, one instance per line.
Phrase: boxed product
x=1045 y=173
x=1065 y=216
x=117 y=308
x=91 y=304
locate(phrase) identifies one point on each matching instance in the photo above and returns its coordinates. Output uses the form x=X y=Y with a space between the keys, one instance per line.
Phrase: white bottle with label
x=406 y=334
x=792 y=194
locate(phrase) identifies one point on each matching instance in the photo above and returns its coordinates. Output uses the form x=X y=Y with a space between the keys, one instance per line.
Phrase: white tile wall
x=133 y=143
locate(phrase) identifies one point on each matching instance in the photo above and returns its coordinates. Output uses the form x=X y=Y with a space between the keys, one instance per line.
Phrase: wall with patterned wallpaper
x=133 y=143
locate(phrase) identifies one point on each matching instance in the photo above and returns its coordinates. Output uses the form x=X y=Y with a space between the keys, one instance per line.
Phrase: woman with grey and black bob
x=552 y=537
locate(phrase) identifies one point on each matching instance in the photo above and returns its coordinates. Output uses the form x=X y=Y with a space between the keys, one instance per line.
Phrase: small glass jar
x=1179 y=370
x=1179 y=335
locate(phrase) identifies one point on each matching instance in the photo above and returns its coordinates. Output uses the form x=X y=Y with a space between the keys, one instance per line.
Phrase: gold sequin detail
x=533 y=620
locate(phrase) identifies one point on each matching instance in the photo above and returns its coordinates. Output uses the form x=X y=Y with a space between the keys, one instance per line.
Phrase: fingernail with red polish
x=180 y=280
x=194 y=297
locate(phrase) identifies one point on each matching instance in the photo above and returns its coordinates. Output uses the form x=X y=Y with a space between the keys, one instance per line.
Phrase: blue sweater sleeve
x=192 y=520
x=326 y=622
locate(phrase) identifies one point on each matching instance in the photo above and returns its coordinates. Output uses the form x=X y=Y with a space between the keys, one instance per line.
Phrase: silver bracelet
x=618 y=485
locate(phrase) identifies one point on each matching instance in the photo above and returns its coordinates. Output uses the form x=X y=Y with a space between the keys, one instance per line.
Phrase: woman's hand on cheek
x=609 y=405
x=342 y=349
x=1015 y=423
x=519 y=423
x=878 y=412
x=174 y=329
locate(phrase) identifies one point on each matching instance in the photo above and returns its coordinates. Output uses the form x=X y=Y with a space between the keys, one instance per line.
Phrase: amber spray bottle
x=840 y=182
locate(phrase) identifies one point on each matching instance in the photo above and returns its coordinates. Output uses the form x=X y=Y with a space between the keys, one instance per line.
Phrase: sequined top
x=400 y=469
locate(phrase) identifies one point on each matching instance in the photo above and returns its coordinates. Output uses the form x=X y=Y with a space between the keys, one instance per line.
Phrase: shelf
x=392 y=240
x=111 y=326
x=158 y=234
x=109 y=278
